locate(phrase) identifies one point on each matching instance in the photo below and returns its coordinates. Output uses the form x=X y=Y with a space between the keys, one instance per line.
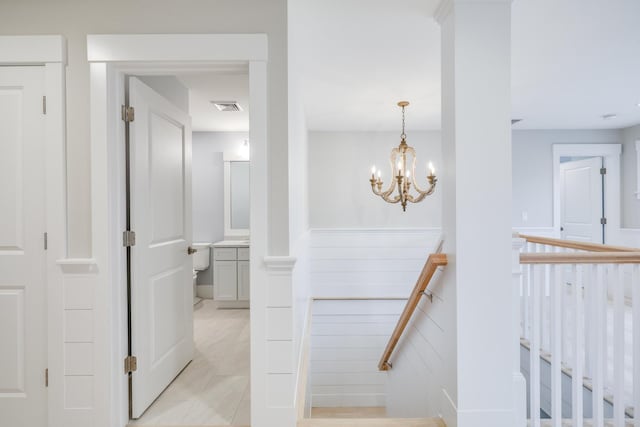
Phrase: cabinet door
x=243 y=280
x=225 y=280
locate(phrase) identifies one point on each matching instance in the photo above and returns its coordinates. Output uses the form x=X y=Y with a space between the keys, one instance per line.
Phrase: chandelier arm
x=413 y=170
x=395 y=199
x=392 y=162
x=423 y=194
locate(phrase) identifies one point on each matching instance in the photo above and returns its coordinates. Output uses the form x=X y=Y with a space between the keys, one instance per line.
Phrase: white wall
x=533 y=170
x=170 y=88
x=351 y=203
x=347 y=340
x=76 y=18
x=298 y=199
x=208 y=187
x=348 y=337
x=630 y=202
x=419 y=369
x=368 y=263
x=339 y=171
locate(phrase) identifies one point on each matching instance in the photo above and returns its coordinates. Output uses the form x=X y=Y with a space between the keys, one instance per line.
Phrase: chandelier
x=403 y=173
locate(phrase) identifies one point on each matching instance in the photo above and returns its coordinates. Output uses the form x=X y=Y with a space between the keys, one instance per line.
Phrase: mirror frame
x=229 y=232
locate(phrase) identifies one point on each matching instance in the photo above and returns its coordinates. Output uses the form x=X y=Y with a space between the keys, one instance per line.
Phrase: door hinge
x=603 y=171
x=603 y=221
x=44 y=105
x=128 y=113
x=130 y=364
x=128 y=238
x=46 y=377
x=46 y=241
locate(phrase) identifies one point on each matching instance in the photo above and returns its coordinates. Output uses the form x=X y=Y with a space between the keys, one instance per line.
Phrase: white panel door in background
x=161 y=268
x=581 y=200
x=23 y=339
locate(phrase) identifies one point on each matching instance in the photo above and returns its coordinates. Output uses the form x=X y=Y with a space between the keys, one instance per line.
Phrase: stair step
x=371 y=422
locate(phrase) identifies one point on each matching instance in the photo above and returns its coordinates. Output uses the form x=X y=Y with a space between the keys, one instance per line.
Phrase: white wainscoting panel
x=420 y=363
x=347 y=340
x=368 y=262
x=76 y=383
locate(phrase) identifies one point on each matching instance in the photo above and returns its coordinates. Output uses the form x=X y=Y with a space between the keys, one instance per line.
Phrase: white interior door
x=23 y=339
x=581 y=200
x=161 y=268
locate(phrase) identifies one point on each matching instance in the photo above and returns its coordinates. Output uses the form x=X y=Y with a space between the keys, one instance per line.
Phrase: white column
x=476 y=135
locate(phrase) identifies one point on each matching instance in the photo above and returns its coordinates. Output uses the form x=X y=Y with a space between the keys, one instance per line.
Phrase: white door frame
x=110 y=57
x=51 y=53
x=610 y=154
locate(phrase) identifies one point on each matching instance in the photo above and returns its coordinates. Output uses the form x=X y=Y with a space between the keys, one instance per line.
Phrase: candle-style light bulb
x=432 y=170
x=379 y=174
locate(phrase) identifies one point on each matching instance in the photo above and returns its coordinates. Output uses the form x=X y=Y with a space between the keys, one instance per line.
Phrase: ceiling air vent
x=227 y=105
x=514 y=121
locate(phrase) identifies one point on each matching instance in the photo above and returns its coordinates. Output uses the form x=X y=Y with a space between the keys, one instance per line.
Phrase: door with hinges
x=23 y=334
x=161 y=267
x=581 y=200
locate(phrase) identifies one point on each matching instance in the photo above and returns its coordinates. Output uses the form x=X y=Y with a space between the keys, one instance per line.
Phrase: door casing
x=51 y=53
x=111 y=58
x=611 y=159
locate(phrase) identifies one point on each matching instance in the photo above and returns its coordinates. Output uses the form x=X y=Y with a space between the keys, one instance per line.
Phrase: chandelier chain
x=403 y=135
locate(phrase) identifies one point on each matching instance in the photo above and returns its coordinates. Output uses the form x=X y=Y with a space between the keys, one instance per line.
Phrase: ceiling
x=573 y=61
x=226 y=85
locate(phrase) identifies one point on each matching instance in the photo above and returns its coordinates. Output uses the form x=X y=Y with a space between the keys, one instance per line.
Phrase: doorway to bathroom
x=187 y=247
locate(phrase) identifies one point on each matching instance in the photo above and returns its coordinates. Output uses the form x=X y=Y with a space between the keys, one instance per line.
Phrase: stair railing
x=433 y=262
x=580 y=321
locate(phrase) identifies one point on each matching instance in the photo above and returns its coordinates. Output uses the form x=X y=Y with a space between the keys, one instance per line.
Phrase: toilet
x=200 y=263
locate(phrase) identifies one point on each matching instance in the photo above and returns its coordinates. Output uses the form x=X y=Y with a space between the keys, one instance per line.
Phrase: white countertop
x=231 y=244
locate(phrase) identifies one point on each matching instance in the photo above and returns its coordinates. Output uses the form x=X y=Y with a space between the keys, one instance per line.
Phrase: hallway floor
x=213 y=389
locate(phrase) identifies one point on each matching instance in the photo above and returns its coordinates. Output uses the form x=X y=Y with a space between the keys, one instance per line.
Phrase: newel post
x=519 y=383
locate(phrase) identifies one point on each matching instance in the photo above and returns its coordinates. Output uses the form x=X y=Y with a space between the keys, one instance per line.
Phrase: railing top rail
x=572 y=244
x=433 y=262
x=580 y=258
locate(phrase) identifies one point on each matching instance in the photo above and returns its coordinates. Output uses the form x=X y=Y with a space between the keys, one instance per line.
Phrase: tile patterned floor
x=213 y=390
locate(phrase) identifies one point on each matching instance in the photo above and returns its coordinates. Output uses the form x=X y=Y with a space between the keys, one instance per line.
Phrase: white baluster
x=618 y=345
x=578 y=347
x=545 y=343
x=556 y=344
x=567 y=302
x=537 y=285
x=526 y=287
x=589 y=305
x=635 y=301
x=598 y=333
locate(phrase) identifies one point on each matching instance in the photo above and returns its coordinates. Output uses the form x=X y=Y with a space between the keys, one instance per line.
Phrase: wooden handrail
x=572 y=244
x=580 y=258
x=433 y=262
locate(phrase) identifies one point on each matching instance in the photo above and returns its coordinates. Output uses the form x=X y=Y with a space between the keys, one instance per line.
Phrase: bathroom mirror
x=237 y=196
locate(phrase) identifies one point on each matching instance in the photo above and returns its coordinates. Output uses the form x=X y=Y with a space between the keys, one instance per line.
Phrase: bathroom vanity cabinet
x=231 y=274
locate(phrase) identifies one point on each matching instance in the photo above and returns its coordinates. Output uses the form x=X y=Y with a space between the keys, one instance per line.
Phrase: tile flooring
x=213 y=390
